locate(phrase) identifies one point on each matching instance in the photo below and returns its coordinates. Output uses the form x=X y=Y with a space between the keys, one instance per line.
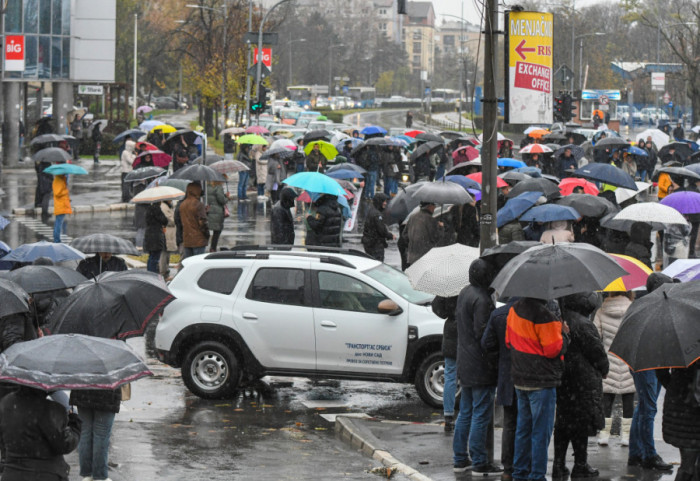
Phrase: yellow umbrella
x=637 y=277
x=165 y=128
x=327 y=149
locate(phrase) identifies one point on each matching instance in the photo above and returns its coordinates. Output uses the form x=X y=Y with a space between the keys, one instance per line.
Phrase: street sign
x=565 y=74
x=427 y=92
x=251 y=38
x=658 y=81
x=90 y=90
x=667 y=98
x=528 y=67
x=603 y=100
x=266 y=57
x=14 y=53
x=264 y=72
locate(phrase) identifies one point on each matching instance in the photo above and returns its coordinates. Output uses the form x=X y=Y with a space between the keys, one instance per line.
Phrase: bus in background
x=444 y=95
x=306 y=95
x=363 y=97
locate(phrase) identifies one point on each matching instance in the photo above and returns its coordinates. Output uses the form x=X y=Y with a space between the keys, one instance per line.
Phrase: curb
x=364 y=441
x=77 y=209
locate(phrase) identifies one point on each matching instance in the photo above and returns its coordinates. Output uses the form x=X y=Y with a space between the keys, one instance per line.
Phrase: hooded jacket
x=282 y=221
x=375 y=232
x=474 y=306
x=640 y=243
x=61 y=196
x=494 y=341
x=154 y=238
x=423 y=234
x=607 y=320
x=127 y=157
x=193 y=215
x=445 y=308
x=537 y=345
x=324 y=226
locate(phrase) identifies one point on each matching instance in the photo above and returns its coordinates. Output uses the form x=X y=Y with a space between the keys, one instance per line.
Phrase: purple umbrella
x=685 y=202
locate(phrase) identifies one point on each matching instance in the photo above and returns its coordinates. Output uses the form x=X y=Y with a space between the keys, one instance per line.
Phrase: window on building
x=417 y=47
x=448 y=41
x=416 y=60
x=382 y=27
x=382 y=11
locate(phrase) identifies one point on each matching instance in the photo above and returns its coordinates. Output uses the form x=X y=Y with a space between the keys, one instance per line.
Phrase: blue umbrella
x=373 y=130
x=315 y=182
x=406 y=138
x=550 y=213
x=354 y=141
x=55 y=251
x=465 y=182
x=516 y=206
x=637 y=151
x=347 y=213
x=606 y=173
x=3 y=222
x=4 y=250
x=531 y=171
x=506 y=162
x=65 y=169
x=475 y=193
x=345 y=174
x=133 y=134
x=398 y=141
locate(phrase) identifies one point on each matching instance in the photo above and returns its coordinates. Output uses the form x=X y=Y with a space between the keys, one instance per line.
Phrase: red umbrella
x=535 y=149
x=477 y=178
x=305 y=198
x=256 y=129
x=146 y=146
x=413 y=133
x=465 y=154
x=160 y=158
x=567 y=186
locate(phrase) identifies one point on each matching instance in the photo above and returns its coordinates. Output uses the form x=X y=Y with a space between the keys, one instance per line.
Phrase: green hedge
x=87 y=146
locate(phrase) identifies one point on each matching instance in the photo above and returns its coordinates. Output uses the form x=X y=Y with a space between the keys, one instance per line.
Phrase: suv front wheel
x=430 y=379
x=210 y=370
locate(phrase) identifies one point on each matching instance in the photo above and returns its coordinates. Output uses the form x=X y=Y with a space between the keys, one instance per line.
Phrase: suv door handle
x=328 y=324
x=249 y=315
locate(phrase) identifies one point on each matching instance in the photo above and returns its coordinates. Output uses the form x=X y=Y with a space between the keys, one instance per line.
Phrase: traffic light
x=260 y=103
x=571 y=108
x=559 y=109
x=401 y=7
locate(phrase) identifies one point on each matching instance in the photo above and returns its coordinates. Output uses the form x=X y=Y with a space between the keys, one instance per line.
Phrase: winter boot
x=559 y=469
x=604 y=434
x=449 y=424
x=625 y=431
x=583 y=470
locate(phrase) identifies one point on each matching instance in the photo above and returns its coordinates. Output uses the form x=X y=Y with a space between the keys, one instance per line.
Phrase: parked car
x=652 y=115
x=629 y=115
x=320 y=313
x=168 y=103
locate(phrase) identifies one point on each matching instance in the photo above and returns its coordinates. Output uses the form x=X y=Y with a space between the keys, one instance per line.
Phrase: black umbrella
x=320 y=134
x=576 y=151
x=679 y=171
x=198 y=172
x=46 y=139
x=71 y=362
x=466 y=168
x=682 y=149
x=514 y=177
x=402 y=204
x=45 y=278
x=547 y=187
x=694 y=159
x=52 y=154
x=346 y=166
x=606 y=173
x=661 y=330
x=144 y=173
x=133 y=134
x=281 y=152
x=588 y=205
x=578 y=138
x=442 y=192
x=451 y=134
x=462 y=140
x=427 y=148
x=554 y=136
x=13 y=299
x=102 y=242
x=546 y=271
x=116 y=305
x=428 y=137
x=611 y=143
x=188 y=135
x=501 y=254
x=376 y=141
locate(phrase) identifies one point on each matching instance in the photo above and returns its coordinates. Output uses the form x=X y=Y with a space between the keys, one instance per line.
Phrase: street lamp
x=580 y=56
x=330 y=66
x=290 y=54
x=224 y=7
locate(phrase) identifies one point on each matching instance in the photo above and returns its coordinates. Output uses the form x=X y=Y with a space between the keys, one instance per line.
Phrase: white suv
x=310 y=312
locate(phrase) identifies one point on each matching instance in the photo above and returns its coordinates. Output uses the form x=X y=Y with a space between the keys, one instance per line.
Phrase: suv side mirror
x=389 y=307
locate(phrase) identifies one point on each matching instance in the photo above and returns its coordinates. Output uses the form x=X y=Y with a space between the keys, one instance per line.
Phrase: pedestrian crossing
x=43 y=231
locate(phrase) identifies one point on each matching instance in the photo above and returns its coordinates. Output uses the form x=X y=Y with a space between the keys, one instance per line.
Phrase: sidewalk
x=449 y=120
x=423 y=451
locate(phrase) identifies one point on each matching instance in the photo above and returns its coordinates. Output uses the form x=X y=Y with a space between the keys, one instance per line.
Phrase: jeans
x=391 y=186
x=642 y=429
x=153 y=261
x=194 y=251
x=450 y=391
x=59 y=228
x=93 y=447
x=510 y=424
x=535 y=426
x=642 y=175
x=440 y=172
x=370 y=183
x=475 y=412
x=261 y=189
x=243 y=184
x=301 y=167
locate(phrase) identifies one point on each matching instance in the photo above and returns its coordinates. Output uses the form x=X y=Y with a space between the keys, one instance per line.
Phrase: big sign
x=14 y=53
x=529 y=67
x=267 y=57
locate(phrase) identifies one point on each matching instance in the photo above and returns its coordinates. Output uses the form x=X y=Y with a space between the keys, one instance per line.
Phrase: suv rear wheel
x=210 y=370
x=430 y=379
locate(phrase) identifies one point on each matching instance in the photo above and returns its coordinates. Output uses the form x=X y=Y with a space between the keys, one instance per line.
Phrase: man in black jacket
x=476 y=374
x=282 y=222
x=325 y=223
x=375 y=232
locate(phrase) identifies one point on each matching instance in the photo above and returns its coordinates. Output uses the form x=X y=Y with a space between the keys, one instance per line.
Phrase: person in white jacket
x=619 y=380
x=127 y=162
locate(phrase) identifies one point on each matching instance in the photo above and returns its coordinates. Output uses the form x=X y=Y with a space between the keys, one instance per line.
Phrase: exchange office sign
x=528 y=67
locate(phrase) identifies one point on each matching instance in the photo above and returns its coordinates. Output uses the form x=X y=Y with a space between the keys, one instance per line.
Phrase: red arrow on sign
x=521 y=48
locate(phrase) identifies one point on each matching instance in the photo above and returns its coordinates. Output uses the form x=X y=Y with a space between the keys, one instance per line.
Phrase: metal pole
x=289 y=82
x=461 y=66
x=580 y=63
x=489 y=149
x=573 y=44
x=224 y=113
x=330 y=70
x=247 y=74
x=136 y=43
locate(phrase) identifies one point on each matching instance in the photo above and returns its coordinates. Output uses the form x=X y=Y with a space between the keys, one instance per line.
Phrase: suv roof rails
x=311 y=249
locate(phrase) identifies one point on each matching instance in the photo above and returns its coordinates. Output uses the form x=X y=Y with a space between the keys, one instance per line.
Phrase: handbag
x=126 y=391
x=227 y=213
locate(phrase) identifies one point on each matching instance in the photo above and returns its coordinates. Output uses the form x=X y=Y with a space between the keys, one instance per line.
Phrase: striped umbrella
x=158 y=194
x=637 y=277
x=535 y=149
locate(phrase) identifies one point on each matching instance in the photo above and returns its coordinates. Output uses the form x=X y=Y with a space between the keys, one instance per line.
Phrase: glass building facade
x=45 y=25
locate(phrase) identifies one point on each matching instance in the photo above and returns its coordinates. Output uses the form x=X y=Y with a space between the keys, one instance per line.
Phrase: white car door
x=351 y=335
x=275 y=316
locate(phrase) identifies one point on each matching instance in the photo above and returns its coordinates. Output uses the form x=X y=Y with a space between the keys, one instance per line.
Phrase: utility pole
x=247 y=77
x=489 y=136
x=259 y=60
x=136 y=45
x=461 y=64
x=224 y=110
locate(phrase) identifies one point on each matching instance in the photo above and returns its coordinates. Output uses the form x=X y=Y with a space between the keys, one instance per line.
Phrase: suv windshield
x=398 y=282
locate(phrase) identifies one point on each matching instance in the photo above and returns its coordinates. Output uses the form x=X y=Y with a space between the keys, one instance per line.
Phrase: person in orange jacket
x=61 y=205
x=665 y=183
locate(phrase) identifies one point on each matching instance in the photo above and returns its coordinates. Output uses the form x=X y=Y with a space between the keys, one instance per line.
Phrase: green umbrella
x=327 y=149
x=251 y=139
